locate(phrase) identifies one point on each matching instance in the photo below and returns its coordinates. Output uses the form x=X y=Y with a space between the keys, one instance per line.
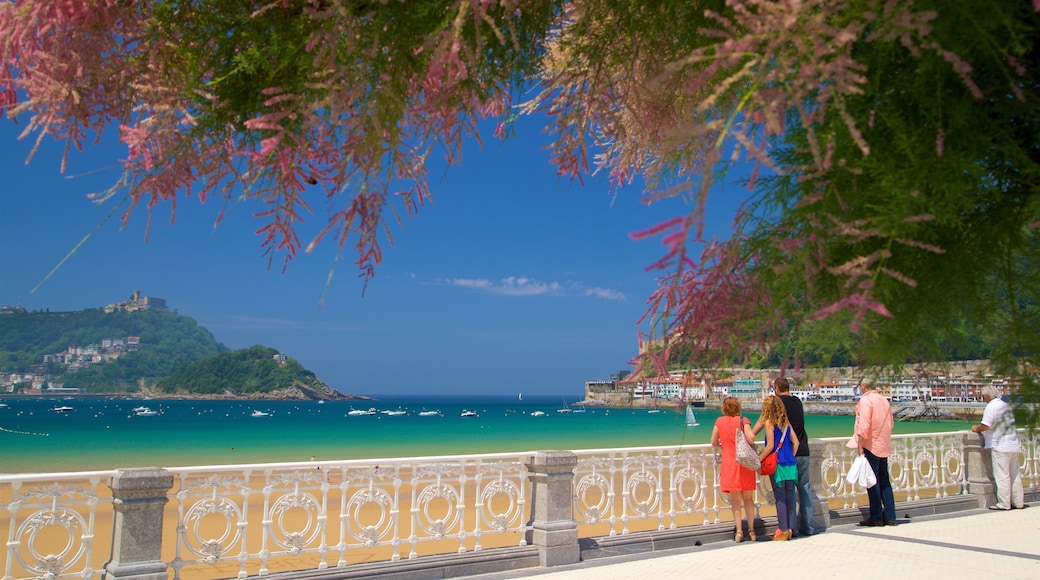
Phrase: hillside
x=101 y=352
x=258 y=372
x=161 y=353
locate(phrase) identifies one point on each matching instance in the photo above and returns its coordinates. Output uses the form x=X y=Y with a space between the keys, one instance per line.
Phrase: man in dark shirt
x=796 y=415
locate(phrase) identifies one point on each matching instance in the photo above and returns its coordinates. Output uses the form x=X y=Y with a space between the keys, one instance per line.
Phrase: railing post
x=138 y=499
x=552 y=528
x=979 y=469
x=821 y=519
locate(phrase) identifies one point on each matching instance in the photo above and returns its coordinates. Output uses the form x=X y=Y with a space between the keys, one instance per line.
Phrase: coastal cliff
x=298 y=391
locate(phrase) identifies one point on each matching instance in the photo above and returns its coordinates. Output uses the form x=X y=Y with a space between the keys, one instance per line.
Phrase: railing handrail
x=59 y=475
x=474 y=497
x=62 y=475
x=334 y=463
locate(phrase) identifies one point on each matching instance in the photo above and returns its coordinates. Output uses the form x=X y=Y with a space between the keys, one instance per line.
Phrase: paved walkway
x=975 y=544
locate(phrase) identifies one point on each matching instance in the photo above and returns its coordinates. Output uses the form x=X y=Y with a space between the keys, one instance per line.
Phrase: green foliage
x=229 y=52
x=251 y=370
x=168 y=341
x=947 y=195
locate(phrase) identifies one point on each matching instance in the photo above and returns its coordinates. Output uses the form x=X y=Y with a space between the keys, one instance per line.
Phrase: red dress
x=732 y=476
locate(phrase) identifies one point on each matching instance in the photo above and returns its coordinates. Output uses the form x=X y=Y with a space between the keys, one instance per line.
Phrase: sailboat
x=520 y=396
x=691 y=419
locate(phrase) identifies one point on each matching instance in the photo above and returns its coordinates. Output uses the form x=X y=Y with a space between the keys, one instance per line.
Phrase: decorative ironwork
x=386 y=504
x=51 y=521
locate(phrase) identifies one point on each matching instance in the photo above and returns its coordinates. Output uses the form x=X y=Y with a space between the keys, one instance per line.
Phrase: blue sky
x=511 y=280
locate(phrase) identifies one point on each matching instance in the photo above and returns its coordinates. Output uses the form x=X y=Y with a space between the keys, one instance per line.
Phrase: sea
x=106 y=433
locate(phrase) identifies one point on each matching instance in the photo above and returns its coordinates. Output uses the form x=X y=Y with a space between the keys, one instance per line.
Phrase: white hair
x=991 y=392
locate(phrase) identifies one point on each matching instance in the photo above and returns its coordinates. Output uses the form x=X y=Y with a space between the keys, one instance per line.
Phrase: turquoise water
x=106 y=434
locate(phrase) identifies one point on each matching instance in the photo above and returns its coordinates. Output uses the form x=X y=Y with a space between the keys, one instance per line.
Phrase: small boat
x=466 y=413
x=260 y=414
x=654 y=411
x=356 y=412
x=537 y=413
x=63 y=409
x=580 y=409
x=429 y=413
x=394 y=413
x=321 y=401
x=145 y=412
x=139 y=409
x=691 y=419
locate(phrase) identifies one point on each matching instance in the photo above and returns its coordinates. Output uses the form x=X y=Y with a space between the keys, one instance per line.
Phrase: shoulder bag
x=747 y=457
x=769 y=463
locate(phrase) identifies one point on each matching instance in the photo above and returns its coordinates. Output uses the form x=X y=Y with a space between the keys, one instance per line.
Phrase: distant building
x=139 y=302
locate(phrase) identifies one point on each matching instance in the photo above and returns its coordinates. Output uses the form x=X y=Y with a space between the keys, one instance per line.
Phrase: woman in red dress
x=740 y=483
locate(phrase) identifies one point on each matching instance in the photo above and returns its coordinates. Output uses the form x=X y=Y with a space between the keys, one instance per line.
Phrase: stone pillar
x=821 y=519
x=553 y=529
x=138 y=500
x=979 y=469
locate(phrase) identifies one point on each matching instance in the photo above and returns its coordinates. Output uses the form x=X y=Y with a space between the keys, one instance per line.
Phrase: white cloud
x=605 y=293
x=522 y=286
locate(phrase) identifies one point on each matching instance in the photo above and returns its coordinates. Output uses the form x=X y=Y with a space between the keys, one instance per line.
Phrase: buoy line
x=16 y=432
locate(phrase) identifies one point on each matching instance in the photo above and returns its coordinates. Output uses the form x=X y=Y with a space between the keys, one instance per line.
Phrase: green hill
x=143 y=344
x=259 y=372
x=166 y=353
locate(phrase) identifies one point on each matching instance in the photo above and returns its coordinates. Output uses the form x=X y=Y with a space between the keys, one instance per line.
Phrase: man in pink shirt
x=874 y=424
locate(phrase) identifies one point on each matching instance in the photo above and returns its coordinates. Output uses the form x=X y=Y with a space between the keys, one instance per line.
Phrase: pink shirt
x=874 y=423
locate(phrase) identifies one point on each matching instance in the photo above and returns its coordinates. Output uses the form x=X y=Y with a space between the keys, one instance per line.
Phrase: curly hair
x=773 y=410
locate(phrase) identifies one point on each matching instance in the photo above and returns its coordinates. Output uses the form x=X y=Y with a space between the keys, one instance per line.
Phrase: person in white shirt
x=998 y=427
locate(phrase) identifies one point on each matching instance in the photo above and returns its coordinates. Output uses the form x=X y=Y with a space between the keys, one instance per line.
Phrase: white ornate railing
x=239 y=520
x=329 y=510
x=668 y=487
x=51 y=522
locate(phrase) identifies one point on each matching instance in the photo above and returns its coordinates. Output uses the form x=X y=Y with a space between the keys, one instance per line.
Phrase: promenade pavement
x=974 y=544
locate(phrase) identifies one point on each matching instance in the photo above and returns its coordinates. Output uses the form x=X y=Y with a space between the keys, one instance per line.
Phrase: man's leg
x=888 y=499
x=805 y=498
x=1018 y=497
x=877 y=513
x=1002 y=477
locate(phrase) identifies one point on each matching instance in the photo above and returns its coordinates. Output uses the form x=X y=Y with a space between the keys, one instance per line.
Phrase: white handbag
x=861 y=474
x=747 y=457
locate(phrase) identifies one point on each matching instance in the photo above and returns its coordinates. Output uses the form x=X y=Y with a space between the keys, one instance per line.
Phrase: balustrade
x=241 y=520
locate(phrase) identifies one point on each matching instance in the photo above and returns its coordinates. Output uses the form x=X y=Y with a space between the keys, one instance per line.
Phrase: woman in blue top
x=781 y=438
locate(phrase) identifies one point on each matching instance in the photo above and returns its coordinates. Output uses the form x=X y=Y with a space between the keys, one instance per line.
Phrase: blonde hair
x=773 y=410
x=731 y=406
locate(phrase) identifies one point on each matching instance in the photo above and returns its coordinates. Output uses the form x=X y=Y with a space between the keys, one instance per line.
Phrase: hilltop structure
x=137 y=302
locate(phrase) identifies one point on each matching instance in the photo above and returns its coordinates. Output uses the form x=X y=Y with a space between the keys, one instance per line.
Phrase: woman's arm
x=769 y=441
x=758 y=425
x=749 y=434
x=715 y=436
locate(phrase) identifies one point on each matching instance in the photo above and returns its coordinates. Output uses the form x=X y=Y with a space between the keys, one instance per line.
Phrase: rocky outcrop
x=297 y=392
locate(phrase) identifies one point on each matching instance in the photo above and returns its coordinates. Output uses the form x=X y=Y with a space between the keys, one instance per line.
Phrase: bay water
x=103 y=433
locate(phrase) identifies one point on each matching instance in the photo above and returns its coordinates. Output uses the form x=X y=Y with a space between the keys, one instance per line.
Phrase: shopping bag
x=747 y=457
x=861 y=474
